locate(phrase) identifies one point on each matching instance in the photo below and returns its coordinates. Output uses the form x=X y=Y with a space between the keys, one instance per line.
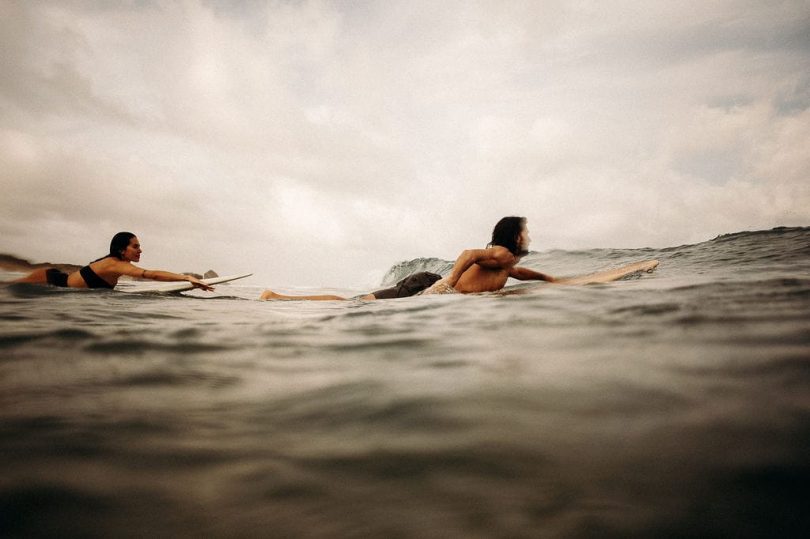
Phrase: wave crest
x=399 y=271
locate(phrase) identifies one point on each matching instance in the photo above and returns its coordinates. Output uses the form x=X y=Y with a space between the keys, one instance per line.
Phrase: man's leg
x=269 y=294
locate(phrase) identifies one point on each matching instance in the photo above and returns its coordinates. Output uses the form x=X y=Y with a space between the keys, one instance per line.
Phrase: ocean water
x=669 y=404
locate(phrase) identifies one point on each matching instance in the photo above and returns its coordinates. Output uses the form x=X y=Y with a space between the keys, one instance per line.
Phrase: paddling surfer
x=125 y=248
x=475 y=270
x=487 y=270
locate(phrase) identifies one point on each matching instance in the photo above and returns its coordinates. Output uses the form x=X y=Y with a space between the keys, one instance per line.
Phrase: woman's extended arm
x=160 y=275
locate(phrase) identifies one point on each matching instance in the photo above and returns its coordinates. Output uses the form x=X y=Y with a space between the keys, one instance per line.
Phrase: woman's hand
x=199 y=284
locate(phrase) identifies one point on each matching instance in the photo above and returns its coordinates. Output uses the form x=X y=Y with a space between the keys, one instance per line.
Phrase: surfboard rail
x=609 y=275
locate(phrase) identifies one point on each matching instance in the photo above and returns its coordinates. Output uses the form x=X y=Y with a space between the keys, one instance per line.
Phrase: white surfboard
x=611 y=274
x=179 y=286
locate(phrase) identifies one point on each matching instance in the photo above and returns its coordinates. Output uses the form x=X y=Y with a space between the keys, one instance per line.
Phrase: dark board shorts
x=409 y=286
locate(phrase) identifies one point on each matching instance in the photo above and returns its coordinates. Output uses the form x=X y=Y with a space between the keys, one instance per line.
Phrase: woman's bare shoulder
x=113 y=264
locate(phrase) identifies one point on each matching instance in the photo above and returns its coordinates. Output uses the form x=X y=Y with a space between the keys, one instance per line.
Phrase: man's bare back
x=487 y=270
x=488 y=273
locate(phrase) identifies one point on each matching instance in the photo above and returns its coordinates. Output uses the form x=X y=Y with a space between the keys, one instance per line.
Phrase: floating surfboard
x=179 y=286
x=611 y=274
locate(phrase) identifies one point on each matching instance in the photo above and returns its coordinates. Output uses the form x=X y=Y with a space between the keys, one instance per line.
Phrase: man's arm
x=498 y=256
x=525 y=274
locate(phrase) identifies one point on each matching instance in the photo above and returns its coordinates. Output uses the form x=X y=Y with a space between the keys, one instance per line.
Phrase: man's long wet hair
x=507 y=232
x=119 y=243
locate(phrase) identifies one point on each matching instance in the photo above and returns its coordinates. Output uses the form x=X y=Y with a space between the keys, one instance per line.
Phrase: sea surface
x=668 y=404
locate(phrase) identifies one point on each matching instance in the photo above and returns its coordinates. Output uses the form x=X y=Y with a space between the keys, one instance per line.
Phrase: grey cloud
x=796 y=98
x=662 y=33
x=39 y=74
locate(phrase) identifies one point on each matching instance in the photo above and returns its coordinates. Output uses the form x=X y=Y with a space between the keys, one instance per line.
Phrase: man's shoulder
x=497 y=257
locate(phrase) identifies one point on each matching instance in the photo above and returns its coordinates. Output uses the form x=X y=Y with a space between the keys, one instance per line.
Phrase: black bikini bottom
x=56 y=277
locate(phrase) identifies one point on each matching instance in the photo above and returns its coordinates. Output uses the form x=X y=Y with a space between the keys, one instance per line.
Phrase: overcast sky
x=318 y=143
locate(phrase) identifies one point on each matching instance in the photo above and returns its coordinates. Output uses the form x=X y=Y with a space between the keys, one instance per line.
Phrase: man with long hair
x=487 y=270
x=475 y=270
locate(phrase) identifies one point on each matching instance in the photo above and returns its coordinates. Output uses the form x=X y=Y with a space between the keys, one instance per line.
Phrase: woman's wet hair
x=119 y=243
x=507 y=232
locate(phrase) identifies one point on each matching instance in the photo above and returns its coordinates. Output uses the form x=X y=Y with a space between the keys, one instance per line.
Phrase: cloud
x=319 y=142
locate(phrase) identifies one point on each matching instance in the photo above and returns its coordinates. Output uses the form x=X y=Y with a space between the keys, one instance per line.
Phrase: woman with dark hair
x=125 y=248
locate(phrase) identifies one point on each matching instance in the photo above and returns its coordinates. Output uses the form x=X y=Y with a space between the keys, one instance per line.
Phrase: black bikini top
x=92 y=279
